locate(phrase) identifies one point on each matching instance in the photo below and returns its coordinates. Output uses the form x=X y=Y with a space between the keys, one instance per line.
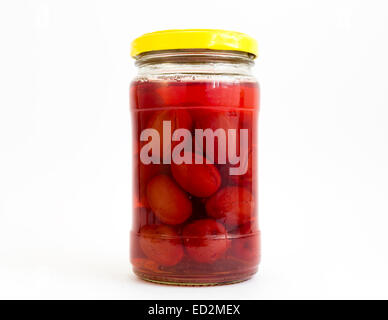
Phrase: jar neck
x=205 y=62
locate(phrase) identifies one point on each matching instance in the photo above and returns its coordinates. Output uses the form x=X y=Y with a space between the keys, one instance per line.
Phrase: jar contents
x=195 y=192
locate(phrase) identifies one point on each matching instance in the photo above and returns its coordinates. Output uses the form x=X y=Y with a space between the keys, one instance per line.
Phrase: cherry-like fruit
x=161 y=244
x=198 y=178
x=205 y=240
x=231 y=205
x=168 y=201
x=246 y=245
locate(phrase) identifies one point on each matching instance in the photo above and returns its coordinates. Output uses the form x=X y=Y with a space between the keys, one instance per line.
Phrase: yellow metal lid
x=194 y=39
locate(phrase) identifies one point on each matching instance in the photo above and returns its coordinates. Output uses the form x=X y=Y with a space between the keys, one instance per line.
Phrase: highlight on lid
x=194 y=39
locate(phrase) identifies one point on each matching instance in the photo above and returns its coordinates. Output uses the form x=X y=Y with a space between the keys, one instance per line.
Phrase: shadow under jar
x=194 y=115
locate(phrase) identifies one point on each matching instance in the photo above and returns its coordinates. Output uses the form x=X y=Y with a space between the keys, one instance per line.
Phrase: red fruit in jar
x=246 y=228
x=220 y=94
x=161 y=244
x=180 y=119
x=167 y=94
x=198 y=178
x=168 y=201
x=249 y=97
x=173 y=95
x=247 y=117
x=143 y=216
x=247 y=245
x=242 y=180
x=143 y=95
x=205 y=240
x=144 y=174
x=247 y=177
x=225 y=120
x=204 y=94
x=232 y=205
x=221 y=253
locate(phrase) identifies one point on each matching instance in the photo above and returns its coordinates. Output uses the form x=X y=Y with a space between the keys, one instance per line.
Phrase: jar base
x=196 y=281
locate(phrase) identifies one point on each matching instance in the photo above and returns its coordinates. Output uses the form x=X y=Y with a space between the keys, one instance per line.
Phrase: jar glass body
x=195 y=202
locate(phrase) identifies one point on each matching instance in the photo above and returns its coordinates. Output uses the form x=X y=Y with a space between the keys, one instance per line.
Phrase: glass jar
x=194 y=106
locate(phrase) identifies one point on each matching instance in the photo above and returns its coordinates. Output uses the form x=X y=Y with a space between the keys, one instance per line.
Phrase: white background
x=65 y=176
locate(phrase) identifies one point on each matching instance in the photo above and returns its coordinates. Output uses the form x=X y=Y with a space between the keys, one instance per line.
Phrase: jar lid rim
x=176 y=39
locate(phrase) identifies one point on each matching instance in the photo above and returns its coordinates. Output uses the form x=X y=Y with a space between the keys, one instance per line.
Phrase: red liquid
x=195 y=223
